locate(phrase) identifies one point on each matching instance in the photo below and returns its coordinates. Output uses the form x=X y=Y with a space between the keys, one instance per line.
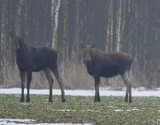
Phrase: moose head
x=87 y=52
x=19 y=40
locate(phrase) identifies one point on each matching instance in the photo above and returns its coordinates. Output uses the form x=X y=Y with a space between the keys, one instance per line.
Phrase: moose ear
x=24 y=34
x=93 y=45
x=12 y=35
x=82 y=46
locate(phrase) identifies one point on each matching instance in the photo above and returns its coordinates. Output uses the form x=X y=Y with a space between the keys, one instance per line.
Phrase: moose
x=101 y=64
x=33 y=59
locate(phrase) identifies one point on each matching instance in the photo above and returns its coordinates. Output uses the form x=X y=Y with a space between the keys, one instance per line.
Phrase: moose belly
x=109 y=75
x=39 y=64
x=106 y=72
x=109 y=72
x=37 y=68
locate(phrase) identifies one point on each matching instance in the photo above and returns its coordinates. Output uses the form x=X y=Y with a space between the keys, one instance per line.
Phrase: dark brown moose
x=33 y=59
x=101 y=64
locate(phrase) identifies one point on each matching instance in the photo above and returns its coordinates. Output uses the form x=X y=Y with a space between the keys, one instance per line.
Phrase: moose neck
x=22 y=48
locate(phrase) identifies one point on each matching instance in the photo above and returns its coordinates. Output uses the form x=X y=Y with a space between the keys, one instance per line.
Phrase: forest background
x=132 y=26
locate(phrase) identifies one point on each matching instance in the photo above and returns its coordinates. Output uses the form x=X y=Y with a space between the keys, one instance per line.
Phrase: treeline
x=132 y=26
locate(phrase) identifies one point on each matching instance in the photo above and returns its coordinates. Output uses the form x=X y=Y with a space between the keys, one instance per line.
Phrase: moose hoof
x=21 y=100
x=97 y=100
x=50 y=100
x=126 y=100
x=63 y=100
x=28 y=100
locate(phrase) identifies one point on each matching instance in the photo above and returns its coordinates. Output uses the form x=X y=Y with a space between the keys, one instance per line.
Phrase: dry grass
x=74 y=76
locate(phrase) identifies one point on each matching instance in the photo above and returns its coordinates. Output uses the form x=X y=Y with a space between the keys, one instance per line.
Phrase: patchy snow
x=103 y=92
x=64 y=110
x=14 y=121
x=32 y=122
x=134 y=109
x=119 y=110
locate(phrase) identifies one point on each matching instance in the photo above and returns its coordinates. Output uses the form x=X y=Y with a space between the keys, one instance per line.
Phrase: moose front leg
x=29 y=79
x=97 y=96
x=22 y=75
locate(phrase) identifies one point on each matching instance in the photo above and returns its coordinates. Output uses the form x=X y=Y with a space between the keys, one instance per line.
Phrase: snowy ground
x=32 y=122
x=103 y=92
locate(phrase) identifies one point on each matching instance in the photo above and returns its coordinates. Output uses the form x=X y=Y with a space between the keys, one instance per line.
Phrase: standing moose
x=33 y=59
x=101 y=64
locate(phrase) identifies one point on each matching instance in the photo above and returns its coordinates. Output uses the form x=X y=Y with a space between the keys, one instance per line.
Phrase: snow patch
x=32 y=122
x=103 y=92
x=118 y=110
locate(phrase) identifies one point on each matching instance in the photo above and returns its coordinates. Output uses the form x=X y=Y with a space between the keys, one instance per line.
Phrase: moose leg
x=29 y=78
x=50 y=81
x=128 y=87
x=97 y=97
x=22 y=75
x=56 y=74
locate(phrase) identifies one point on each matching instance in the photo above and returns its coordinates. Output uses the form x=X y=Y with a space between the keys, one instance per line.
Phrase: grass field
x=77 y=109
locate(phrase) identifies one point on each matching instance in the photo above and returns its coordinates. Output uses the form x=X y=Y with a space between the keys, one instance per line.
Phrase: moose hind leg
x=22 y=75
x=128 y=87
x=50 y=81
x=97 y=96
x=59 y=80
